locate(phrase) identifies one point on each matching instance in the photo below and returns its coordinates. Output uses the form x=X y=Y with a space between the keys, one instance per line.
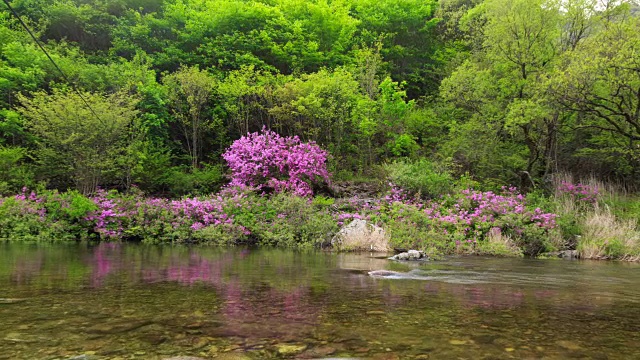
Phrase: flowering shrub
x=463 y=222
x=579 y=192
x=266 y=159
x=232 y=216
x=49 y=216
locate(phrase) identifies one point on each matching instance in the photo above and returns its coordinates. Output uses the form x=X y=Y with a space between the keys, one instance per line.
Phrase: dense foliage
x=504 y=91
x=462 y=222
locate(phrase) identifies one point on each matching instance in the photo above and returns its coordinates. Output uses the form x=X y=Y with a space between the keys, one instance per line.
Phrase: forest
x=433 y=96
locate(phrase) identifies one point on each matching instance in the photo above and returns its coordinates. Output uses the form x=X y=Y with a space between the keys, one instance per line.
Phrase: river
x=128 y=301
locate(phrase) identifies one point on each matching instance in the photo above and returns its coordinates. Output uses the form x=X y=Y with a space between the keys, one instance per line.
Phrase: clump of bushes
x=607 y=237
x=462 y=222
x=467 y=221
x=234 y=215
x=422 y=177
x=46 y=216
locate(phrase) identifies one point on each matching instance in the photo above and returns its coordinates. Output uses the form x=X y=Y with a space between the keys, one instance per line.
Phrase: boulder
x=361 y=235
x=411 y=255
x=564 y=254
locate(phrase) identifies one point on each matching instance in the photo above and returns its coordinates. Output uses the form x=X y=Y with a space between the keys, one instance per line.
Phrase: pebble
x=375 y=312
x=457 y=342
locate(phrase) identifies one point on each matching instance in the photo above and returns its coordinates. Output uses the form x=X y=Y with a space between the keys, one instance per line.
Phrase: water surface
x=116 y=301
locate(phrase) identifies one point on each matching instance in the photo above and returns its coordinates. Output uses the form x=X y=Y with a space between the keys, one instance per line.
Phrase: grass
x=606 y=236
x=605 y=229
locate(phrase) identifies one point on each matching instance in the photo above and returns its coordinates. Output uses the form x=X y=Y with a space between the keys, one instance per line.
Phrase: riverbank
x=503 y=223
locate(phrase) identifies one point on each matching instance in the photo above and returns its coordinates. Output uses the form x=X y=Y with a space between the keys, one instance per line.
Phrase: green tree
x=602 y=84
x=74 y=143
x=189 y=91
x=500 y=85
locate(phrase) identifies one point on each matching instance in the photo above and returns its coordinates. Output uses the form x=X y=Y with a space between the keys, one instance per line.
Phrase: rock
x=11 y=301
x=21 y=338
x=117 y=327
x=290 y=349
x=361 y=235
x=569 y=254
x=565 y=254
x=200 y=343
x=457 y=342
x=83 y=357
x=153 y=339
x=375 y=312
x=321 y=352
x=385 y=274
x=569 y=345
x=411 y=255
x=232 y=356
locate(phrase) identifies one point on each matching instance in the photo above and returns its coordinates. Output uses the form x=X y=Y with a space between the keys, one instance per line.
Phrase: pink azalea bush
x=266 y=159
x=579 y=192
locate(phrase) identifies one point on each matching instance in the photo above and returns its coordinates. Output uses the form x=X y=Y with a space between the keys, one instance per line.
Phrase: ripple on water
x=144 y=302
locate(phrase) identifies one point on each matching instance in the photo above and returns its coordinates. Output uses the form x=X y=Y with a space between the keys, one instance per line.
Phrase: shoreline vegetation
x=582 y=217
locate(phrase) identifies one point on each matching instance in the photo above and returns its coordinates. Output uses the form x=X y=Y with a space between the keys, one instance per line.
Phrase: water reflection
x=177 y=300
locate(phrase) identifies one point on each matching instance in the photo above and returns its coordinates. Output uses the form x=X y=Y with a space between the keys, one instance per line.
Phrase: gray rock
x=411 y=255
x=116 y=327
x=361 y=235
x=569 y=254
x=565 y=254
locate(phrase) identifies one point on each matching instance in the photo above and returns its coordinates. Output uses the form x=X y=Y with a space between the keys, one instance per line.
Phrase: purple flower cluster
x=478 y=212
x=108 y=218
x=579 y=192
x=30 y=204
x=266 y=159
x=119 y=217
x=397 y=194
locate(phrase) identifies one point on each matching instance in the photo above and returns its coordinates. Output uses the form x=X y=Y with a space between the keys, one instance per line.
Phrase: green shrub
x=14 y=174
x=422 y=177
x=182 y=181
x=322 y=201
x=284 y=220
x=48 y=216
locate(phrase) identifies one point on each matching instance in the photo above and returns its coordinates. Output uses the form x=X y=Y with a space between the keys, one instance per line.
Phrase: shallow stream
x=118 y=301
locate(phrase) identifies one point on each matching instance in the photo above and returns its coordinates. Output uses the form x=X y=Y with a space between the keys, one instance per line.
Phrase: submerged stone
x=290 y=349
x=11 y=301
x=117 y=327
x=21 y=338
x=457 y=342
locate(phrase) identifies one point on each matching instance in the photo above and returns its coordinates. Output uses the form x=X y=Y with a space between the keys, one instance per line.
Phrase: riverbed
x=128 y=301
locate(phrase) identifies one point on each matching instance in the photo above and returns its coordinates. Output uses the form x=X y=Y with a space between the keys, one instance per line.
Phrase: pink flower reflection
x=104 y=263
